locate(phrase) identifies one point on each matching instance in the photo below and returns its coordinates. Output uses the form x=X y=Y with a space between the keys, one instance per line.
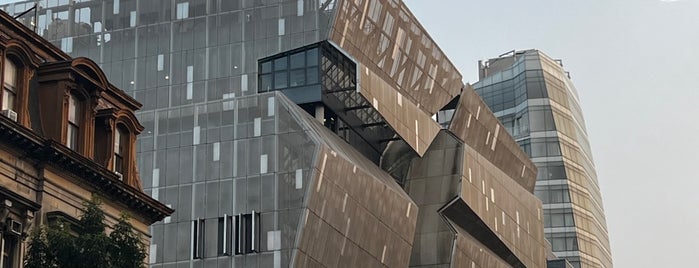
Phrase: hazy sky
x=635 y=64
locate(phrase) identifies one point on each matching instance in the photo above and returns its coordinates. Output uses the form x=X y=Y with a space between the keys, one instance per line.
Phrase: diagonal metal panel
x=355 y=213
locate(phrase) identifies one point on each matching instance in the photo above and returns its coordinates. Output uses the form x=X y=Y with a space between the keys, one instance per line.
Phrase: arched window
x=74 y=115
x=120 y=150
x=10 y=83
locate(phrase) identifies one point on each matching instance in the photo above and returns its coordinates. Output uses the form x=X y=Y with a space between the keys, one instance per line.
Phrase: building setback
x=538 y=104
x=66 y=135
x=300 y=133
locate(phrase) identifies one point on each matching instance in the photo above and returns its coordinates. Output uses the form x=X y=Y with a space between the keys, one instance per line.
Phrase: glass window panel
x=8 y=99
x=312 y=57
x=265 y=82
x=280 y=80
x=537 y=120
x=556 y=196
x=73 y=110
x=558 y=243
x=557 y=220
x=566 y=195
x=297 y=60
x=266 y=67
x=10 y=73
x=280 y=64
x=568 y=219
x=312 y=75
x=538 y=149
x=553 y=149
x=557 y=172
x=297 y=78
x=571 y=244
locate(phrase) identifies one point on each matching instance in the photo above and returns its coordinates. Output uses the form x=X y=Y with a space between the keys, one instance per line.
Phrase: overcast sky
x=635 y=65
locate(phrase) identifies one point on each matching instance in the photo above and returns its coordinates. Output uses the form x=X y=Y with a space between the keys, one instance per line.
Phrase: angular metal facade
x=403 y=73
x=538 y=105
x=370 y=180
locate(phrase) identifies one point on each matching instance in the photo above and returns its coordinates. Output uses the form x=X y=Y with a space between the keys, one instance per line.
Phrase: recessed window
x=9 y=88
x=225 y=228
x=197 y=241
x=73 y=122
x=247 y=233
x=9 y=250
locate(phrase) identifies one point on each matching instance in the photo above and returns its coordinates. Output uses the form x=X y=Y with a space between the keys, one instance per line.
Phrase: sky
x=635 y=66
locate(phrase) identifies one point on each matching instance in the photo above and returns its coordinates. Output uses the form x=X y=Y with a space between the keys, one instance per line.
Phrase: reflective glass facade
x=537 y=103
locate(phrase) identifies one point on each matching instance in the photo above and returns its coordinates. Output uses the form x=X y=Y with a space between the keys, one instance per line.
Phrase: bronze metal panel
x=477 y=126
x=339 y=216
x=497 y=213
x=386 y=37
x=403 y=73
x=414 y=125
x=357 y=215
x=493 y=194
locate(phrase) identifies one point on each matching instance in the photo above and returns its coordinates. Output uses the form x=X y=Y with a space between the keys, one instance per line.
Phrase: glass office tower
x=300 y=133
x=536 y=101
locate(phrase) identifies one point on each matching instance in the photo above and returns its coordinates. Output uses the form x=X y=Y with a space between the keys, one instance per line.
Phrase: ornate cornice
x=50 y=152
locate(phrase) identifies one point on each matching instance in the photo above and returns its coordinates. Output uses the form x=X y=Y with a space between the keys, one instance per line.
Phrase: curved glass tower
x=536 y=101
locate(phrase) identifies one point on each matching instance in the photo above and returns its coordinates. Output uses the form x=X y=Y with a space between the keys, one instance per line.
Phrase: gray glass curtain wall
x=213 y=149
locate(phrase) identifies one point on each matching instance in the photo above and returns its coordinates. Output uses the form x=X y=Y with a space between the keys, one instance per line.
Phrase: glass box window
x=288 y=70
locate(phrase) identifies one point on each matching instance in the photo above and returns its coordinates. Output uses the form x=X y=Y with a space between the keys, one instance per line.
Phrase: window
x=197 y=238
x=563 y=242
x=9 y=250
x=287 y=71
x=247 y=233
x=225 y=227
x=9 y=88
x=182 y=10
x=74 y=113
x=120 y=143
